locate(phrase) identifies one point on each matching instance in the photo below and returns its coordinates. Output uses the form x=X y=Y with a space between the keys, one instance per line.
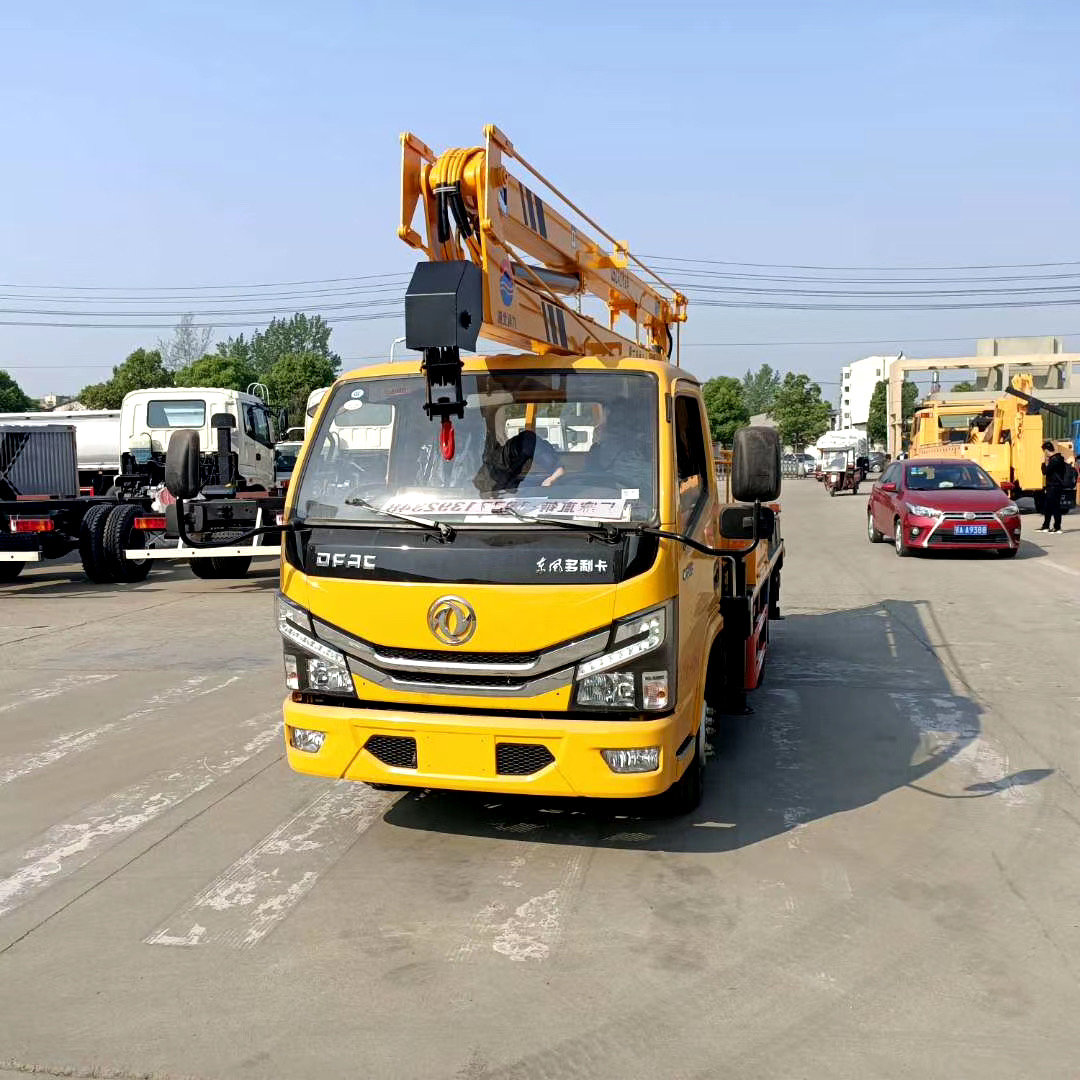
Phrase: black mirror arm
x=696 y=545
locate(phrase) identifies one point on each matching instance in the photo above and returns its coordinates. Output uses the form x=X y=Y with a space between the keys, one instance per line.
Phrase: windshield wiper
x=606 y=534
x=438 y=528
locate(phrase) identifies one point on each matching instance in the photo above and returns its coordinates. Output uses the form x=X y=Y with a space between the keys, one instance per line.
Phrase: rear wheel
x=898 y=539
x=9 y=571
x=120 y=535
x=873 y=533
x=96 y=563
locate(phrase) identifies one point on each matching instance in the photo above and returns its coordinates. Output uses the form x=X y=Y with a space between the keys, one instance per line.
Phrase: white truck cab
x=150 y=417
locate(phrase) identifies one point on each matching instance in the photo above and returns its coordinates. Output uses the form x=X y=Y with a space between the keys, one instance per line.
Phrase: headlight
x=309 y=663
x=1009 y=510
x=922 y=511
x=600 y=686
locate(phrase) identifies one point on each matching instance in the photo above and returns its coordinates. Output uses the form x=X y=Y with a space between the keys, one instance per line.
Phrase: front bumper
x=936 y=534
x=459 y=751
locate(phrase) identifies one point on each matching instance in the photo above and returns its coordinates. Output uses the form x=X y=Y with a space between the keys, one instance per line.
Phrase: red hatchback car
x=942 y=504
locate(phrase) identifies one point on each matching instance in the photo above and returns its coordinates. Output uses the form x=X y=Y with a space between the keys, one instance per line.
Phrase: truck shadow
x=856 y=705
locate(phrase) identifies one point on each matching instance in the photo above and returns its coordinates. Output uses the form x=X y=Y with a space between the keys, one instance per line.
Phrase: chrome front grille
x=449 y=672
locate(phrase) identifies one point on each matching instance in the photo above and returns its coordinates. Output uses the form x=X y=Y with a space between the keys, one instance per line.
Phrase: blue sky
x=180 y=144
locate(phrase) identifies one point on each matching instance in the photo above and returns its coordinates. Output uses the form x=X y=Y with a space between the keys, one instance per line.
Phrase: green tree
x=142 y=370
x=965 y=387
x=12 y=398
x=302 y=335
x=799 y=411
x=295 y=375
x=231 y=371
x=877 y=421
x=725 y=407
x=759 y=389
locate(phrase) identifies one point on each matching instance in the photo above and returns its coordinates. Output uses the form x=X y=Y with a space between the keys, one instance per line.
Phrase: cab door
x=257 y=449
x=697 y=510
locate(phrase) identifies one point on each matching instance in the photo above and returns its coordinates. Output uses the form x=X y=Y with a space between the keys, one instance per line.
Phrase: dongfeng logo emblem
x=451 y=620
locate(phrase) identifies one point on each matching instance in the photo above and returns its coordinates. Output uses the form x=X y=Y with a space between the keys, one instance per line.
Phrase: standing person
x=1054 y=483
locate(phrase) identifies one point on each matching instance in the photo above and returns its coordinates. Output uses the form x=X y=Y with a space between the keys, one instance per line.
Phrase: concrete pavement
x=882 y=881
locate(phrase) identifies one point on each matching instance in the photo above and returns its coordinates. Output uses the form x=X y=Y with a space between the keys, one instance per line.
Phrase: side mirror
x=182 y=464
x=755 y=465
x=737 y=522
x=283 y=420
x=890 y=486
x=221 y=420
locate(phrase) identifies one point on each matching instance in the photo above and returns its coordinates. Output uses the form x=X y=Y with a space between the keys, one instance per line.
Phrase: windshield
x=560 y=444
x=175 y=414
x=966 y=476
x=285 y=455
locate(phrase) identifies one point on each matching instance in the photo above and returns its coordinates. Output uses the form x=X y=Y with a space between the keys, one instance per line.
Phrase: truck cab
x=149 y=418
x=515 y=619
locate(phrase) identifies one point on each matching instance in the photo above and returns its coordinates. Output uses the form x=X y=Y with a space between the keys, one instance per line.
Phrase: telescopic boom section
x=529 y=256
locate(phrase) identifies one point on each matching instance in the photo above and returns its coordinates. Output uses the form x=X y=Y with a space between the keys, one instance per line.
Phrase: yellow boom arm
x=475 y=209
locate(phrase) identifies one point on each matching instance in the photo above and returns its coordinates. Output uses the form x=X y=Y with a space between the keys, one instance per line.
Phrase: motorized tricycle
x=845 y=471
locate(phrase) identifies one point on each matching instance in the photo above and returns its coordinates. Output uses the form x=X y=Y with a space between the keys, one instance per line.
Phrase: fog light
x=640 y=759
x=915 y=530
x=611 y=688
x=654 y=690
x=310 y=742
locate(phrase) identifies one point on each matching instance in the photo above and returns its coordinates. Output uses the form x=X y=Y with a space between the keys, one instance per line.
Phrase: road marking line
x=940 y=718
x=67 y=847
x=1060 y=567
x=246 y=902
x=75 y=741
x=61 y=686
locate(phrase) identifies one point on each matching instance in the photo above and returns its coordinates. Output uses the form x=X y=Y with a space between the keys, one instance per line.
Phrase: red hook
x=446 y=440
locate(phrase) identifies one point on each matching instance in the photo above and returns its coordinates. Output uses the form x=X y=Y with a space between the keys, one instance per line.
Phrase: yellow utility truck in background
x=470 y=601
x=1004 y=435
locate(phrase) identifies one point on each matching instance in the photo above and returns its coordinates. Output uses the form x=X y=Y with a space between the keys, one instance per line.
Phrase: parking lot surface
x=882 y=881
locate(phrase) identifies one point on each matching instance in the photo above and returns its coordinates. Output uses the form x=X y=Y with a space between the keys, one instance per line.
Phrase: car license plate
x=970 y=530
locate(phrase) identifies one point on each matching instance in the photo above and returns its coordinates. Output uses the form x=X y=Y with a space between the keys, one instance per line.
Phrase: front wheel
x=1008 y=553
x=873 y=533
x=898 y=539
x=685 y=795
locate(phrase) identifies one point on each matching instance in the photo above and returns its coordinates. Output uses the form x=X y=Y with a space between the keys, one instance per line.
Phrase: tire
x=121 y=534
x=9 y=571
x=232 y=566
x=182 y=464
x=832 y=493
x=899 y=546
x=1008 y=553
x=96 y=563
x=218 y=568
x=755 y=465
x=685 y=795
x=873 y=533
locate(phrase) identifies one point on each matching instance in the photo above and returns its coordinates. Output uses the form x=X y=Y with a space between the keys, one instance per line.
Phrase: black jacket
x=1054 y=471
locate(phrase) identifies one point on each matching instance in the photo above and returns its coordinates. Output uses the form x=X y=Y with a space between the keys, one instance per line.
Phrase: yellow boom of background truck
x=1004 y=435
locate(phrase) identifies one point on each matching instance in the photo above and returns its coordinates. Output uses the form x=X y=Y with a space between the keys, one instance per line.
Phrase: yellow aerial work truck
x=533 y=580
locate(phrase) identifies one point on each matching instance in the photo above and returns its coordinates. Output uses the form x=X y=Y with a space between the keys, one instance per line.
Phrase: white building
x=857 y=384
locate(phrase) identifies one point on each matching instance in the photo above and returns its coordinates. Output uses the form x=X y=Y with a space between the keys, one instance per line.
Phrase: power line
x=210 y=288
x=333 y=320
x=882 y=269
x=848 y=341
